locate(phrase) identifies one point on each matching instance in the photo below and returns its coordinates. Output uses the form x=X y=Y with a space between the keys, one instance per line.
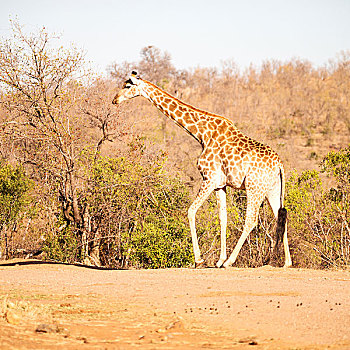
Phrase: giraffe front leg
x=204 y=192
x=221 y=200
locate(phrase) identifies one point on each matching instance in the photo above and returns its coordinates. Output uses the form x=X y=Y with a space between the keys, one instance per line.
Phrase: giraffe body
x=229 y=158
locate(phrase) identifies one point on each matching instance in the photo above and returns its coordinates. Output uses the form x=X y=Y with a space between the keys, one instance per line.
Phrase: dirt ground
x=57 y=306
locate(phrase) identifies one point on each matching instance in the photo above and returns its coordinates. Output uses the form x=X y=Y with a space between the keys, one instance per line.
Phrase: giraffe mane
x=184 y=103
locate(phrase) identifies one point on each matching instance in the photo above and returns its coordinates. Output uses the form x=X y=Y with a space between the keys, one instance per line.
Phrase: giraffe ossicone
x=229 y=158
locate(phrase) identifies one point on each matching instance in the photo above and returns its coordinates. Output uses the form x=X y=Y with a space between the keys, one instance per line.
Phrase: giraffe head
x=130 y=89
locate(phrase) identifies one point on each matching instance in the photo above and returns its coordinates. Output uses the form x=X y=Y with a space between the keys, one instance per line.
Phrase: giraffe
x=228 y=158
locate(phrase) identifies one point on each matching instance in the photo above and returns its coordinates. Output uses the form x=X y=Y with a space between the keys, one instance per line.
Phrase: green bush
x=159 y=244
x=318 y=217
x=14 y=201
x=62 y=244
x=337 y=164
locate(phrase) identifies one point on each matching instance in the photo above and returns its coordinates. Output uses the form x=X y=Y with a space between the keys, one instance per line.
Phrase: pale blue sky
x=194 y=32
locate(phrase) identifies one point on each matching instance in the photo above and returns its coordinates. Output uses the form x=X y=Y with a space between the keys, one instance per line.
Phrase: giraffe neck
x=189 y=118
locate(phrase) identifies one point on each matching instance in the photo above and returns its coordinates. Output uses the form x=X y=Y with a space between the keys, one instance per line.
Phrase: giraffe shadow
x=30 y=262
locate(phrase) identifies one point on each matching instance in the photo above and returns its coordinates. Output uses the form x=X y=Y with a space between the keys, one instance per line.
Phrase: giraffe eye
x=128 y=84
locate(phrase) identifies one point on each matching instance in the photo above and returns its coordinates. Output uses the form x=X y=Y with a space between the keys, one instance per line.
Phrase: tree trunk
x=95 y=249
x=76 y=214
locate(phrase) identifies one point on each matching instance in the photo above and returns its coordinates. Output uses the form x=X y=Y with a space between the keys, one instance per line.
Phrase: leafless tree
x=53 y=113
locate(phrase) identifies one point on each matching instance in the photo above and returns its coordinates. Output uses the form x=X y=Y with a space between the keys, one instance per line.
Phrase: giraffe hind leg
x=251 y=221
x=288 y=259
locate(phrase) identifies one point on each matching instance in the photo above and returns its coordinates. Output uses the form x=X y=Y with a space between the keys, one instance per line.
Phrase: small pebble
x=46 y=328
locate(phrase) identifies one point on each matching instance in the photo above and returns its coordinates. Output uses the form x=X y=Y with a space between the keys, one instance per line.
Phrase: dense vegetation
x=84 y=181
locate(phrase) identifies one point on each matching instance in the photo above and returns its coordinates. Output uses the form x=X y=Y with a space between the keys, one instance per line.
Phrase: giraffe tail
x=281 y=226
x=281 y=221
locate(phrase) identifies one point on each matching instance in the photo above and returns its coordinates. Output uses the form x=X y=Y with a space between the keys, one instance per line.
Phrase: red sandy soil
x=57 y=306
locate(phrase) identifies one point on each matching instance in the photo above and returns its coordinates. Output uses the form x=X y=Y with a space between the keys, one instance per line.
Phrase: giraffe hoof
x=220 y=263
x=227 y=264
x=199 y=264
